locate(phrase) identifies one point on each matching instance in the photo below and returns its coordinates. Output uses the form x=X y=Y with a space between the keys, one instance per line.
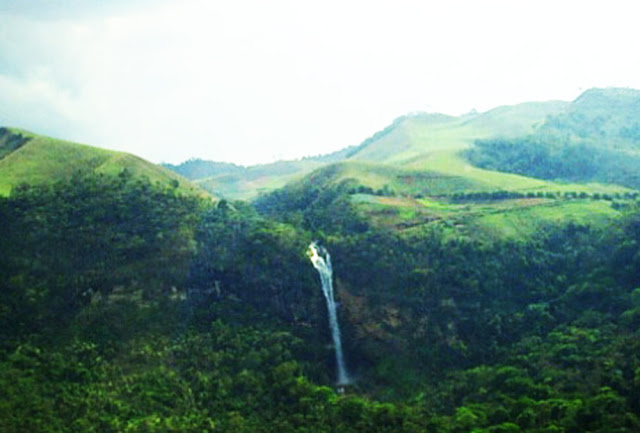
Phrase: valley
x=484 y=270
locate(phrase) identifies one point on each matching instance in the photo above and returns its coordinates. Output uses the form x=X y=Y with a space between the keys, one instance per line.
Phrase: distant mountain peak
x=597 y=95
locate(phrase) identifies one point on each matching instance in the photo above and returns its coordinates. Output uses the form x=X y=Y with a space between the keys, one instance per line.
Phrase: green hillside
x=416 y=141
x=416 y=136
x=467 y=299
x=609 y=117
x=249 y=182
x=34 y=159
x=413 y=172
x=199 y=169
x=417 y=172
x=595 y=139
x=126 y=307
x=246 y=183
x=426 y=142
x=480 y=204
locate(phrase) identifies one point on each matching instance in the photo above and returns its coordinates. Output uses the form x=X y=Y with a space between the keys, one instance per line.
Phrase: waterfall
x=323 y=265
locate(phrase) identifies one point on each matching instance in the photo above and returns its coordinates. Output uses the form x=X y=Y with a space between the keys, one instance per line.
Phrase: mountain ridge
x=403 y=141
x=435 y=141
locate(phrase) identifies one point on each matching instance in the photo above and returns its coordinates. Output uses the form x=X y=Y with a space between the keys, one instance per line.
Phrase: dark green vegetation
x=10 y=141
x=470 y=300
x=99 y=331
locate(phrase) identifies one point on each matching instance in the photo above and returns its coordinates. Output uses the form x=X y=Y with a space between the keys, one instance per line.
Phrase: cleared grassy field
x=524 y=222
x=512 y=218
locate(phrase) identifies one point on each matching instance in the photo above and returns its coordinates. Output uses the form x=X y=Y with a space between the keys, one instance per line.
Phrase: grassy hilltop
x=35 y=159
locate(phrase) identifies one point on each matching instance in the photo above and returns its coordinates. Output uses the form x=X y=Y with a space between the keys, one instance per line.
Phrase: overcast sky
x=251 y=81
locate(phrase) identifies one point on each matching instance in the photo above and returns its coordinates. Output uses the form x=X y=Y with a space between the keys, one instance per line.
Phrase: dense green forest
x=558 y=158
x=126 y=305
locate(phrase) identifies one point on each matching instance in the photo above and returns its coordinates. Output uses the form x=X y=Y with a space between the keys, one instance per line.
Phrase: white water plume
x=321 y=260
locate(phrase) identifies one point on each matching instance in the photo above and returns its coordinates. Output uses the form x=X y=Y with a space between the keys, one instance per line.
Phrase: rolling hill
x=417 y=172
x=424 y=167
x=246 y=183
x=595 y=139
x=599 y=128
x=494 y=206
x=34 y=159
x=422 y=141
x=418 y=135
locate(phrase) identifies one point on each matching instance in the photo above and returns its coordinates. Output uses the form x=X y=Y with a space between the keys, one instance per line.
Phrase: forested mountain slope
x=127 y=307
x=596 y=139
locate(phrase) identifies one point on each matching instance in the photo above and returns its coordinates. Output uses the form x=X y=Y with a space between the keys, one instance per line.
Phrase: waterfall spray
x=323 y=265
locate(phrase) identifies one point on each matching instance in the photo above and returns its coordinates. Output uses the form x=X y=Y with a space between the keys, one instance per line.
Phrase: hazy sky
x=251 y=81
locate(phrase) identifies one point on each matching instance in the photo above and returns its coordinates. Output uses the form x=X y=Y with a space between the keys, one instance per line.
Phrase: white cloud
x=247 y=80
